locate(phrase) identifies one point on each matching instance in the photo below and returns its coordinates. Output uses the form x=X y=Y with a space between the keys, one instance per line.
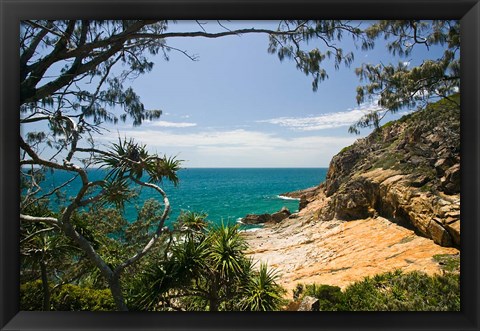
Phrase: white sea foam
x=286 y=198
x=250 y=230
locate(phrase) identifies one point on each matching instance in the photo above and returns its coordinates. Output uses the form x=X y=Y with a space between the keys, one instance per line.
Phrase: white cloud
x=326 y=121
x=241 y=148
x=166 y=124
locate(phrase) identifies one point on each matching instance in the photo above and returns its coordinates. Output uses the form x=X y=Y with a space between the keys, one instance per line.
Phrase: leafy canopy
x=396 y=86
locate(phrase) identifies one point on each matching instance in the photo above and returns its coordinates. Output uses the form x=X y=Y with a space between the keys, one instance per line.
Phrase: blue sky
x=239 y=106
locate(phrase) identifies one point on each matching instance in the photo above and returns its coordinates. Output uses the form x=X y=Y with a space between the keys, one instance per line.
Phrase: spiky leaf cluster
x=262 y=293
x=208 y=270
x=130 y=160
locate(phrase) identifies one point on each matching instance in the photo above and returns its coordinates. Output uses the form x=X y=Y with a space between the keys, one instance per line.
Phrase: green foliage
x=128 y=159
x=117 y=193
x=398 y=86
x=79 y=49
x=298 y=291
x=330 y=297
x=206 y=270
x=262 y=293
x=141 y=229
x=388 y=161
x=226 y=250
x=150 y=289
x=288 y=46
x=71 y=298
x=346 y=148
x=31 y=295
x=387 y=125
x=390 y=291
x=44 y=252
x=67 y=298
x=448 y=262
x=414 y=291
x=192 y=221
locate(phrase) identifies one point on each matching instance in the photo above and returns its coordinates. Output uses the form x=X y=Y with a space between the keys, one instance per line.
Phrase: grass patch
x=388 y=160
x=387 y=125
x=344 y=149
x=448 y=262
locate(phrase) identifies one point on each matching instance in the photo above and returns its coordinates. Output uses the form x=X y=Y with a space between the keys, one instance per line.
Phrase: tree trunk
x=214 y=300
x=213 y=303
x=116 y=289
x=45 y=288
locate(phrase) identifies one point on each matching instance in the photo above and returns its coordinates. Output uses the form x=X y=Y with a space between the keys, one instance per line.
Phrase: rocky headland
x=390 y=201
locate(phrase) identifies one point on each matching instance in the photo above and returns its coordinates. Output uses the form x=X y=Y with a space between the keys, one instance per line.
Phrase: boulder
x=354 y=200
x=280 y=215
x=264 y=218
x=308 y=193
x=303 y=202
x=439 y=234
x=419 y=181
x=256 y=219
x=305 y=196
x=442 y=165
x=454 y=229
x=451 y=181
x=309 y=304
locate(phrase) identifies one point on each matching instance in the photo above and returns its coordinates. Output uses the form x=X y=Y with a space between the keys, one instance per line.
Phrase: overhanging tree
x=399 y=86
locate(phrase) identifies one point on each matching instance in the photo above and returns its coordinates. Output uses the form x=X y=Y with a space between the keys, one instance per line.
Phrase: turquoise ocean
x=224 y=194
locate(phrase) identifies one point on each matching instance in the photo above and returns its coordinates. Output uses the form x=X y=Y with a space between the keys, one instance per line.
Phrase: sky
x=239 y=106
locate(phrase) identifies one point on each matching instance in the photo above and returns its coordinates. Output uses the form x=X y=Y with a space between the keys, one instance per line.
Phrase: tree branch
x=36 y=219
x=158 y=232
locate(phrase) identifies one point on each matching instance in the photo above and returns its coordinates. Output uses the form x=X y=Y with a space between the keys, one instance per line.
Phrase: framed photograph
x=239 y=165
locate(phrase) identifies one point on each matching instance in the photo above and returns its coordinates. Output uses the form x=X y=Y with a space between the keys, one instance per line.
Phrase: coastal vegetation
x=86 y=256
x=199 y=267
x=391 y=291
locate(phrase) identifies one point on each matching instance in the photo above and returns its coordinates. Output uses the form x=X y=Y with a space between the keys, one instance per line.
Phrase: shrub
x=448 y=262
x=330 y=297
x=31 y=295
x=262 y=292
x=72 y=297
x=391 y=291
x=397 y=291
x=346 y=148
x=68 y=297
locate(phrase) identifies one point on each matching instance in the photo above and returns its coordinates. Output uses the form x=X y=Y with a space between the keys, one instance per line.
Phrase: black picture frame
x=12 y=11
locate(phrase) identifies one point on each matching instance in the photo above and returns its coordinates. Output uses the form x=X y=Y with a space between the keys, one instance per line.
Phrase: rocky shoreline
x=339 y=252
x=390 y=201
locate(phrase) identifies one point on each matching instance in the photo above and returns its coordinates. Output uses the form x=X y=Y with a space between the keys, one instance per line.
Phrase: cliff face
x=408 y=172
x=390 y=201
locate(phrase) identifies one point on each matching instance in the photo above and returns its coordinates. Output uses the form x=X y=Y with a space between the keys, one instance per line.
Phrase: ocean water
x=224 y=194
